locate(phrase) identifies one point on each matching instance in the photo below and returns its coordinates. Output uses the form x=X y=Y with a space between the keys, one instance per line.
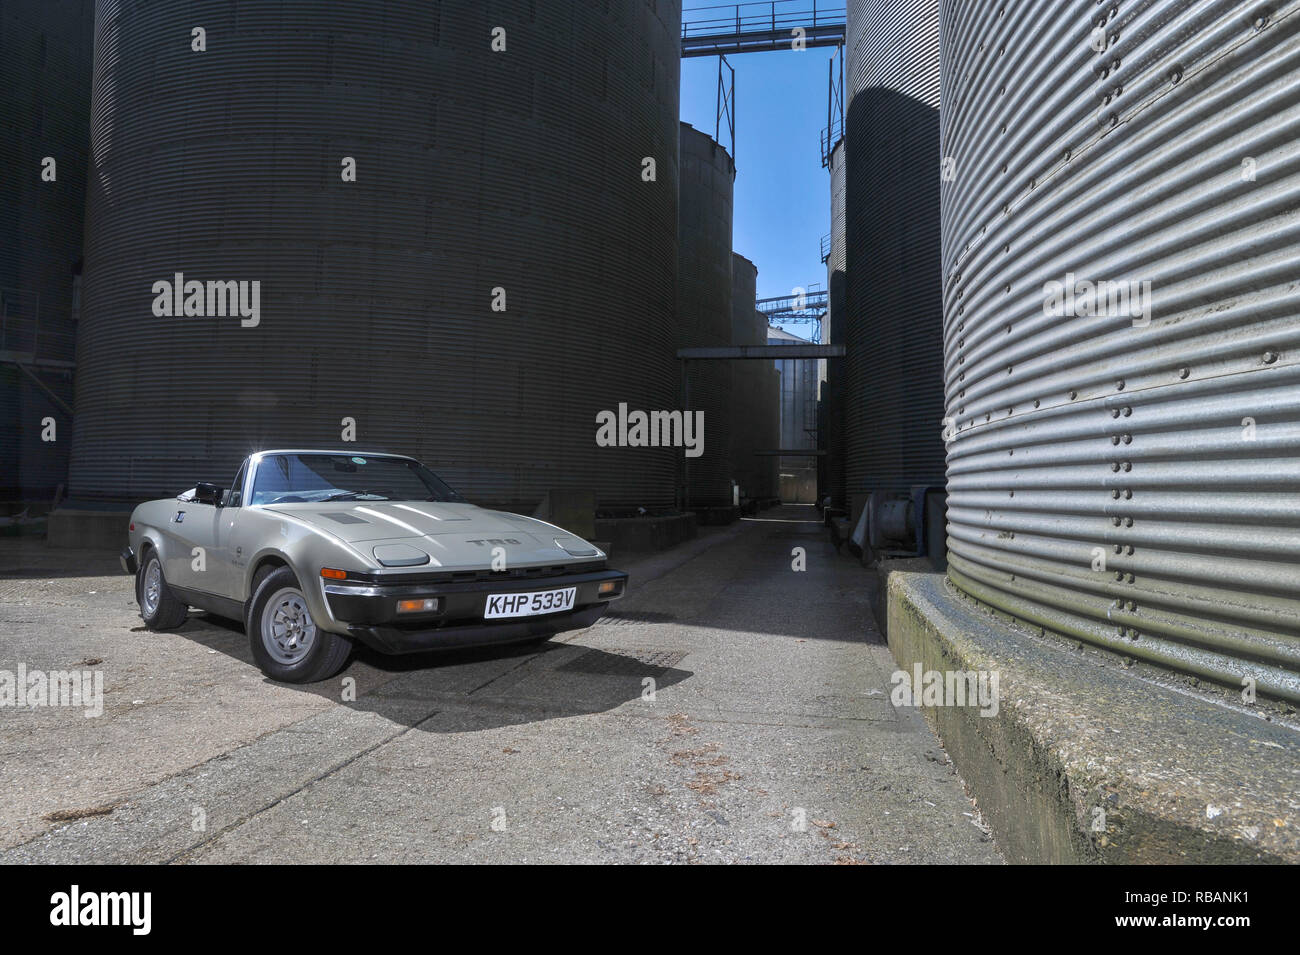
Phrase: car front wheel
x=285 y=640
x=159 y=607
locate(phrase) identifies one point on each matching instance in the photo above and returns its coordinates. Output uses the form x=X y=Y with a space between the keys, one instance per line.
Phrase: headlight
x=575 y=547
x=400 y=555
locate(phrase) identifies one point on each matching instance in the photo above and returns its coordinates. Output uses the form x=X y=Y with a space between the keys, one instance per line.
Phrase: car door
x=229 y=547
x=192 y=528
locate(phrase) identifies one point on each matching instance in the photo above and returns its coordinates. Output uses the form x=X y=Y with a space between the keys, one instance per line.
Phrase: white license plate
x=529 y=605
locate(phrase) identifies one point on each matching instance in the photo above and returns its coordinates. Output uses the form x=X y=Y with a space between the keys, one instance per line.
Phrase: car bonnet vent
x=345 y=518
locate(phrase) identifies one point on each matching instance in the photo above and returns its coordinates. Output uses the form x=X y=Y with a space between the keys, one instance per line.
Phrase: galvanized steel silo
x=1120 y=311
x=753 y=403
x=45 y=74
x=501 y=270
x=704 y=306
x=831 y=414
x=893 y=370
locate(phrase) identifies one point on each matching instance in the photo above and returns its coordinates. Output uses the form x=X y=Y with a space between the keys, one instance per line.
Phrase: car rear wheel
x=285 y=640
x=159 y=607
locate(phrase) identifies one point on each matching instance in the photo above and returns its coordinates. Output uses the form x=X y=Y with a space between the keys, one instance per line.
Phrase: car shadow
x=470 y=689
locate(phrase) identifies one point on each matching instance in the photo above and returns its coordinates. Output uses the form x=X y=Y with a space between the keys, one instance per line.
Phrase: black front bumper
x=370 y=611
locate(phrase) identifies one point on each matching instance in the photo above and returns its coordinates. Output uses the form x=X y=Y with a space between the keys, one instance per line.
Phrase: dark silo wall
x=704 y=306
x=894 y=368
x=831 y=413
x=770 y=381
x=475 y=170
x=753 y=406
x=45 y=75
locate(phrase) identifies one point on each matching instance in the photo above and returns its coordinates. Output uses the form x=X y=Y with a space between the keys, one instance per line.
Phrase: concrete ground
x=729 y=709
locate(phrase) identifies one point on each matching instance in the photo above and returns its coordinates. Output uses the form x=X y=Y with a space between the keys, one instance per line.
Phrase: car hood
x=454 y=534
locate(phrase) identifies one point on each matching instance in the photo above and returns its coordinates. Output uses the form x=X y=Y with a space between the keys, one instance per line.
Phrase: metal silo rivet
x=1128 y=522
x=1114 y=412
x=1128 y=439
x=1115 y=521
x=1270 y=357
x=1184 y=372
x=1119 y=385
x=1128 y=494
x=1127 y=411
x=1115 y=495
x=1114 y=466
x=1114 y=439
x=1073 y=395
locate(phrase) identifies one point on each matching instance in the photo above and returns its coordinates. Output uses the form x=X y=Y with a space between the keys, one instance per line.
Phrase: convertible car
x=313 y=550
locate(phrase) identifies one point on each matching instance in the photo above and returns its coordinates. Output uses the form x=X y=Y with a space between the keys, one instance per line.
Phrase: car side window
x=235 y=496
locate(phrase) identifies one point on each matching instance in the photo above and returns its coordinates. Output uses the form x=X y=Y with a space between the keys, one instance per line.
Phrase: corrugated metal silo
x=753 y=396
x=476 y=170
x=704 y=306
x=744 y=279
x=45 y=72
x=770 y=438
x=893 y=369
x=831 y=415
x=1121 y=332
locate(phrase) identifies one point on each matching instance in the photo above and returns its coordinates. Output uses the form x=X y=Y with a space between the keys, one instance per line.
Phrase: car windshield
x=314 y=478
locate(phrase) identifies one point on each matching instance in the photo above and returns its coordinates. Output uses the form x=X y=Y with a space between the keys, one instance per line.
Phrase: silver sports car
x=315 y=549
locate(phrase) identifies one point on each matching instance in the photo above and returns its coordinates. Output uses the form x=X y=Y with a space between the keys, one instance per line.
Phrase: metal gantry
x=801 y=307
x=758 y=26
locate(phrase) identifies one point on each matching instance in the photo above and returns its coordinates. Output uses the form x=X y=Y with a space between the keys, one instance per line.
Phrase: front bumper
x=128 y=562
x=369 y=610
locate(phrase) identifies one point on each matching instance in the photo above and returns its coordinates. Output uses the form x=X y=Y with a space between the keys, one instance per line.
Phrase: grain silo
x=704 y=307
x=45 y=74
x=893 y=395
x=1120 y=327
x=830 y=427
x=461 y=218
x=753 y=401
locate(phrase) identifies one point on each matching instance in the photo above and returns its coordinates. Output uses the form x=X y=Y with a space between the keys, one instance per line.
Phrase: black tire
x=325 y=654
x=160 y=610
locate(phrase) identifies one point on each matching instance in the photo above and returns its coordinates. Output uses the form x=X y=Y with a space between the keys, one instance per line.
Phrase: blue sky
x=782 y=202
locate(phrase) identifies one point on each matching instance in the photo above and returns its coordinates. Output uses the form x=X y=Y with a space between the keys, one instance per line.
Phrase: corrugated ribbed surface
x=831 y=423
x=475 y=170
x=893 y=370
x=45 y=70
x=753 y=398
x=1170 y=449
x=704 y=305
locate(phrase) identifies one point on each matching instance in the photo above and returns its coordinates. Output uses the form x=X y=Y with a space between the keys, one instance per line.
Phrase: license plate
x=529 y=605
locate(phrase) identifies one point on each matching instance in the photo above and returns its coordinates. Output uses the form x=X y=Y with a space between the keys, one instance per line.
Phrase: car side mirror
x=205 y=493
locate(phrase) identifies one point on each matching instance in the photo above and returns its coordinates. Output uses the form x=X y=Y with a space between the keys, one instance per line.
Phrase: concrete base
x=70 y=527
x=641 y=535
x=1087 y=760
